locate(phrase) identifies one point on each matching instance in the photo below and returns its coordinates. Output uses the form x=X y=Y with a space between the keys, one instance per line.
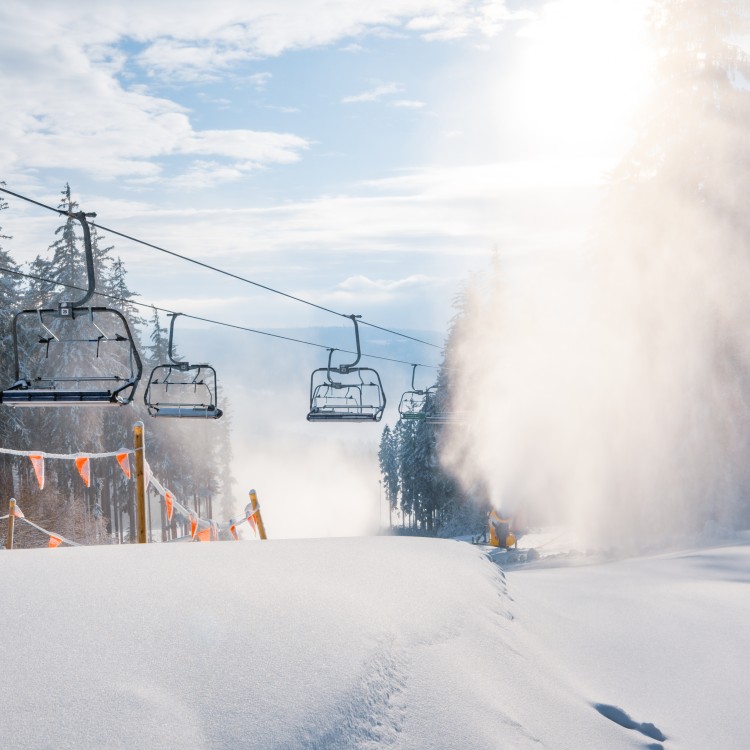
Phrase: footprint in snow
x=618 y=716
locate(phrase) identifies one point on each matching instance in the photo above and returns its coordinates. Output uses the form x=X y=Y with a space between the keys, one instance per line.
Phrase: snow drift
x=363 y=643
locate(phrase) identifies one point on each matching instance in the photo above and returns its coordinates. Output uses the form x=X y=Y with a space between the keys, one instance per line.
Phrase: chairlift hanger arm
x=81 y=216
x=171 y=338
x=344 y=369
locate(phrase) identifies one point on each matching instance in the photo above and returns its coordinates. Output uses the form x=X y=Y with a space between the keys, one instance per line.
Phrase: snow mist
x=610 y=390
x=612 y=396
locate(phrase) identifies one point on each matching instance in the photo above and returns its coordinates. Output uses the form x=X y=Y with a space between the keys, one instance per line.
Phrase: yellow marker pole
x=140 y=482
x=258 y=517
x=11 y=523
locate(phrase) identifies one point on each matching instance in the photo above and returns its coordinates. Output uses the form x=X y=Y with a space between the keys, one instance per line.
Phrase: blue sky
x=366 y=156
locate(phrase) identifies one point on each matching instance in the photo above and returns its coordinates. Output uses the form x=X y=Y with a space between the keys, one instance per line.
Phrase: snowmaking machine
x=501 y=530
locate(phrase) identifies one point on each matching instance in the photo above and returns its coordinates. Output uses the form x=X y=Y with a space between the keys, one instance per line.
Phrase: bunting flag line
x=38 y=457
x=250 y=513
x=169 y=502
x=148 y=475
x=84 y=469
x=124 y=460
x=204 y=535
x=172 y=505
x=68 y=456
x=37 y=461
x=18 y=513
x=54 y=541
x=83 y=465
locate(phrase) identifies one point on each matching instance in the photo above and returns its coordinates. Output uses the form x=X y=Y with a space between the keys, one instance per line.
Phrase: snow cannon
x=500 y=531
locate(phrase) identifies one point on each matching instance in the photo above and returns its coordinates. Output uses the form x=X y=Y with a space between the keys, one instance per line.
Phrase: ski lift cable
x=211 y=321
x=222 y=271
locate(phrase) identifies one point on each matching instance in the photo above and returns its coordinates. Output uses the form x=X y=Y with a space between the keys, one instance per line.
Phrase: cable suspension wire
x=223 y=272
x=207 y=320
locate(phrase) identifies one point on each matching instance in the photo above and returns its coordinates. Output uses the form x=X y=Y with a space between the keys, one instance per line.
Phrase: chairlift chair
x=455 y=417
x=416 y=404
x=356 y=396
x=179 y=389
x=75 y=355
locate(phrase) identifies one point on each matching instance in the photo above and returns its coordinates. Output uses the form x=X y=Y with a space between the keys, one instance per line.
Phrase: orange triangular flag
x=169 y=502
x=84 y=469
x=124 y=461
x=17 y=512
x=233 y=531
x=204 y=535
x=54 y=541
x=37 y=461
x=251 y=521
x=193 y=525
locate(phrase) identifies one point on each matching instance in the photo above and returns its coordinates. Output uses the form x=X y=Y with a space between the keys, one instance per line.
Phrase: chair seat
x=52 y=397
x=197 y=411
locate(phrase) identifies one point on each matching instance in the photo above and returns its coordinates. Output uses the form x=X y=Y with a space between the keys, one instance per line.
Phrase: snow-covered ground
x=372 y=642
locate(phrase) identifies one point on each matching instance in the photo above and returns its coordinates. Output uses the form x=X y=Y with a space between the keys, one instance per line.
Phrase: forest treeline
x=193 y=460
x=423 y=496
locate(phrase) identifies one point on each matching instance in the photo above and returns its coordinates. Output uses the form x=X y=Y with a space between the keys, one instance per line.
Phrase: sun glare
x=584 y=69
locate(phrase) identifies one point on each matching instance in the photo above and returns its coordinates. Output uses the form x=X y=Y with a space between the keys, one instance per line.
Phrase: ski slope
x=370 y=643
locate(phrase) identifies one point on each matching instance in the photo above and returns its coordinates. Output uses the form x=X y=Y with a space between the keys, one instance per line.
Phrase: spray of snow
x=608 y=389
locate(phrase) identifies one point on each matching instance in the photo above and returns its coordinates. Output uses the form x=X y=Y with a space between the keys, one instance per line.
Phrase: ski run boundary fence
x=201 y=529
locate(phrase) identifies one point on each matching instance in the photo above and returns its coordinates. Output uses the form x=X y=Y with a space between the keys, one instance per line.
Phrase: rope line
x=69 y=456
x=221 y=271
x=186 y=513
x=114 y=298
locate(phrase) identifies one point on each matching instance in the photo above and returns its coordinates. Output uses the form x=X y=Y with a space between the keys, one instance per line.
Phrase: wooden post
x=258 y=517
x=11 y=523
x=140 y=482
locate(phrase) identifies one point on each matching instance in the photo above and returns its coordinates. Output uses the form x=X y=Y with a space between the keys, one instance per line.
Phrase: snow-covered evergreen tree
x=193 y=460
x=388 y=459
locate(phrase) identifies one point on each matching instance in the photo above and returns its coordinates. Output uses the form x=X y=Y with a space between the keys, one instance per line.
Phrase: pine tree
x=68 y=264
x=388 y=459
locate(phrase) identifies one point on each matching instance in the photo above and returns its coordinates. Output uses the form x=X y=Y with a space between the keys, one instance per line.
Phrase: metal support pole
x=11 y=523
x=258 y=517
x=140 y=482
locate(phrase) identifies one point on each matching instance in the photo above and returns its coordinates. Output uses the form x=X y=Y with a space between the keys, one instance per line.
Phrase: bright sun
x=585 y=69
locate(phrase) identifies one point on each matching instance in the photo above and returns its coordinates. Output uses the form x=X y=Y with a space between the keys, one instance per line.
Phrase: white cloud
x=375 y=93
x=285 y=110
x=449 y=211
x=352 y=47
x=362 y=289
x=186 y=61
x=62 y=110
x=408 y=103
x=71 y=100
x=444 y=21
x=260 y=80
x=245 y=146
